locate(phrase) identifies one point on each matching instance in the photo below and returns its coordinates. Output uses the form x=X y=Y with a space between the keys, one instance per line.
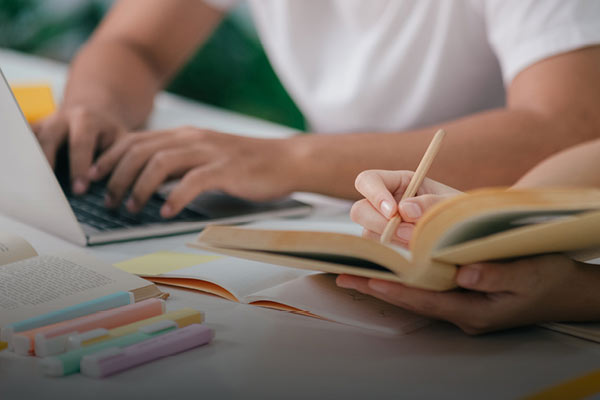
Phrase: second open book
x=257 y=283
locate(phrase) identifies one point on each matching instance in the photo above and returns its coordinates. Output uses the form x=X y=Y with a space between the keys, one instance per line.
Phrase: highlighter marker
x=53 y=337
x=54 y=341
x=114 y=300
x=183 y=317
x=69 y=362
x=113 y=360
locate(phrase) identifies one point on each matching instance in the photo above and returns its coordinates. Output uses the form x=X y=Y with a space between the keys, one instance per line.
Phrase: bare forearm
x=134 y=52
x=576 y=166
x=491 y=148
x=109 y=76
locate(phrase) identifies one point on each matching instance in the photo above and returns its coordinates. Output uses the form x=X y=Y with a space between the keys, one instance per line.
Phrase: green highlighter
x=68 y=363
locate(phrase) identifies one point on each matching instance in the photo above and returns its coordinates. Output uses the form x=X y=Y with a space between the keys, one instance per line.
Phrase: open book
x=32 y=285
x=288 y=289
x=486 y=224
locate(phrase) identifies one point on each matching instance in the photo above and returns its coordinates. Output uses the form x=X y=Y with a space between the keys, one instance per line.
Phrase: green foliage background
x=230 y=71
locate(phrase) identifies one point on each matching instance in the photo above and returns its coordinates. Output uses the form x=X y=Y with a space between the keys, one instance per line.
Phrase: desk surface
x=260 y=353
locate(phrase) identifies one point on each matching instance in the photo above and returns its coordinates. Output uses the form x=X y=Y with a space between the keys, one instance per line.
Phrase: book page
x=14 y=248
x=45 y=283
x=564 y=234
x=239 y=277
x=319 y=295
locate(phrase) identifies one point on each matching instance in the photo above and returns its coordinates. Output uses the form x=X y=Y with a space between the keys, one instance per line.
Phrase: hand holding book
x=501 y=294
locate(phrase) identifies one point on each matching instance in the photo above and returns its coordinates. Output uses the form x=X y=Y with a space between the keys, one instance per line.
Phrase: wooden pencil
x=415 y=183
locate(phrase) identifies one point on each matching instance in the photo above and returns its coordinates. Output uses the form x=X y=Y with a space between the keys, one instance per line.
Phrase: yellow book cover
x=487 y=224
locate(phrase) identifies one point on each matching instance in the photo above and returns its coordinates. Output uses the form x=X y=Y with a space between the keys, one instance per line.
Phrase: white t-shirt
x=393 y=65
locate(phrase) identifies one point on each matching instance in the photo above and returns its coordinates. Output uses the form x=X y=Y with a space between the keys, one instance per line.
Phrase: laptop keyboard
x=90 y=209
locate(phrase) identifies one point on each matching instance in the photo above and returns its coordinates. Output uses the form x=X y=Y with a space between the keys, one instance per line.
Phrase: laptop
x=35 y=194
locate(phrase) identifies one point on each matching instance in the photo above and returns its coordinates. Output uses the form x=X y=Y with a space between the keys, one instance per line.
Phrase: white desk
x=259 y=353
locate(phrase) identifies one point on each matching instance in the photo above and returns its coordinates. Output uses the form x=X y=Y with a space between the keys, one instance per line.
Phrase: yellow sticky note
x=3 y=345
x=36 y=101
x=162 y=262
x=578 y=388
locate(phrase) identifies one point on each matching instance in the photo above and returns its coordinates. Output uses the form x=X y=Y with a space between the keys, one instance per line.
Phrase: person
x=498 y=295
x=510 y=81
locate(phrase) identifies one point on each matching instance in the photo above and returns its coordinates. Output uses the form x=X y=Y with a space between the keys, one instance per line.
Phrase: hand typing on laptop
x=138 y=163
x=87 y=129
x=250 y=168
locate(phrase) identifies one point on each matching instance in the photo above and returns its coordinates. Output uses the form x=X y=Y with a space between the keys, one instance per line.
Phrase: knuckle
x=160 y=161
x=79 y=112
x=136 y=151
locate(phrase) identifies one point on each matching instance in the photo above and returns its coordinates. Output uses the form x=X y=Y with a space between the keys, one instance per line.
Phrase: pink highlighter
x=113 y=360
x=52 y=339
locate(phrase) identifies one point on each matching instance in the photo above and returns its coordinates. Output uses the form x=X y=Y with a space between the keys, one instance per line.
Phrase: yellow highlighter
x=36 y=101
x=181 y=318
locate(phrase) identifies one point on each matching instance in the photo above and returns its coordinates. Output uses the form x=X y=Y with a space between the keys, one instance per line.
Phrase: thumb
x=381 y=187
x=413 y=208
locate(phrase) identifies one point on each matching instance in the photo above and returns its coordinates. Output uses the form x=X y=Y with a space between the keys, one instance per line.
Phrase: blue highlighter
x=114 y=300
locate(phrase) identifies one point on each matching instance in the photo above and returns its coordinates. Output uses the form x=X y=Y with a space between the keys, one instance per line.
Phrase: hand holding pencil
x=384 y=189
x=415 y=182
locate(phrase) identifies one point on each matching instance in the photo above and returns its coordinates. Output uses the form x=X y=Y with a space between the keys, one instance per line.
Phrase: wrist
x=325 y=164
x=98 y=100
x=301 y=166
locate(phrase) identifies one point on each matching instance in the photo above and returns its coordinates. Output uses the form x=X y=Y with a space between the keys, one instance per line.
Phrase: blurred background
x=230 y=71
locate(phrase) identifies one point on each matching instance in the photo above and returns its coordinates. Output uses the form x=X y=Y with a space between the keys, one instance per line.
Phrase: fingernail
x=411 y=210
x=378 y=286
x=468 y=277
x=79 y=186
x=166 y=211
x=131 y=205
x=386 y=208
x=93 y=173
x=404 y=232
